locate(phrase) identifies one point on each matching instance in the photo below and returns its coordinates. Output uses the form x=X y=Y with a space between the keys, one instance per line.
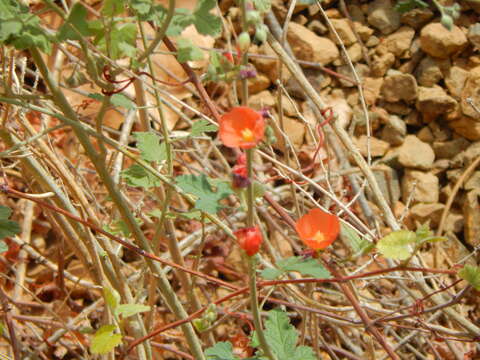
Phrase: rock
x=453 y=222
x=434 y=101
x=428 y=72
x=471 y=91
x=413 y=119
x=257 y=84
x=394 y=131
x=317 y=79
x=437 y=41
x=466 y=157
x=381 y=64
x=455 y=79
x=416 y=154
x=426 y=135
x=425 y=185
x=270 y=66
x=473 y=181
x=356 y=13
x=372 y=41
x=472 y=217
x=416 y=18
x=308 y=46
x=363 y=31
x=340 y=107
x=388 y=182
x=362 y=71
x=423 y=213
x=355 y=52
x=448 y=149
x=399 y=42
x=377 y=147
x=397 y=108
x=399 y=87
x=300 y=19
x=383 y=17
x=317 y=27
x=466 y=127
x=294 y=129
x=474 y=35
x=261 y=100
x=344 y=31
x=372 y=87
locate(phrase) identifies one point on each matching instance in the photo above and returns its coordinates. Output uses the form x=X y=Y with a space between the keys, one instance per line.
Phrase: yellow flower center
x=318 y=237
x=247 y=135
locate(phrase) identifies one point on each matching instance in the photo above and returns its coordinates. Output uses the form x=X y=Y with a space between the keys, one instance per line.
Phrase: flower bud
x=261 y=33
x=253 y=17
x=249 y=239
x=243 y=42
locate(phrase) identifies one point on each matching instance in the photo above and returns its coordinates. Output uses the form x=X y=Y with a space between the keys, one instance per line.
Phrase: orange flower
x=249 y=239
x=241 y=127
x=318 y=229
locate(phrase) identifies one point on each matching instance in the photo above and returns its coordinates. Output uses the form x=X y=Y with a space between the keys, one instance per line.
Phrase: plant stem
x=250 y=197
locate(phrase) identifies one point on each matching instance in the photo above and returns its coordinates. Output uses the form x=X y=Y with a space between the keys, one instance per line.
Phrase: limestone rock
x=472 y=217
x=381 y=64
x=429 y=71
x=308 y=46
x=382 y=16
x=270 y=66
x=416 y=18
x=424 y=184
x=344 y=31
x=453 y=222
x=294 y=129
x=426 y=135
x=377 y=147
x=399 y=42
x=394 y=131
x=317 y=27
x=474 y=35
x=262 y=100
x=437 y=41
x=416 y=154
x=318 y=79
x=455 y=80
x=473 y=181
x=258 y=83
x=363 y=31
x=399 y=87
x=355 y=52
x=372 y=87
x=448 y=149
x=471 y=91
x=434 y=101
x=466 y=127
x=466 y=157
x=423 y=213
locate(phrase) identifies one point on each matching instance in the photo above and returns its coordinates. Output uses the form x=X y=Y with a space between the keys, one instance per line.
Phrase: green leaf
x=407 y=5
x=297 y=263
x=200 y=187
x=205 y=22
x=112 y=7
x=112 y=297
x=141 y=7
x=3 y=246
x=127 y=310
x=471 y=274
x=220 y=351
x=7 y=227
x=282 y=338
x=123 y=101
x=187 y=51
x=105 y=340
x=262 y=5
x=359 y=246
x=122 y=39
x=397 y=245
x=75 y=26
x=201 y=126
x=137 y=176
x=150 y=147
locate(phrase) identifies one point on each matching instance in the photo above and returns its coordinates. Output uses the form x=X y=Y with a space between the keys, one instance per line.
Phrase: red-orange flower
x=249 y=239
x=318 y=229
x=241 y=127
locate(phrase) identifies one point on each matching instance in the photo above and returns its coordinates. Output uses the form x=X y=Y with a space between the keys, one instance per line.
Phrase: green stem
x=245 y=54
x=250 y=195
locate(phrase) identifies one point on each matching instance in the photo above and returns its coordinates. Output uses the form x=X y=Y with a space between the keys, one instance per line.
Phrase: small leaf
x=3 y=246
x=201 y=126
x=123 y=101
x=262 y=5
x=105 y=340
x=297 y=263
x=220 y=351
x=359 y=246
x=7 y=227
x=187 y=51
x=150 y=147
x=112 y=7
x=397 y=245
x=407 y=5
x=75 y=26
x=112 y=298
x=127 y=310
x=137 y=176
x=200 y=187
x=205 y=22
x=471 y=274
